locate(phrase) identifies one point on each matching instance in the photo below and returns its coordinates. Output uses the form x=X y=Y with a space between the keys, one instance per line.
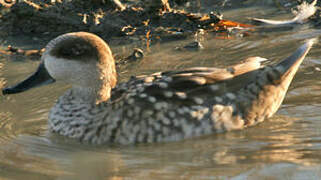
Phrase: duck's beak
x=39 y=78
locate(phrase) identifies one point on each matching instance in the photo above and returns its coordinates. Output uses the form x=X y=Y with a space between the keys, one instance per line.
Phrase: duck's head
x=81 y=59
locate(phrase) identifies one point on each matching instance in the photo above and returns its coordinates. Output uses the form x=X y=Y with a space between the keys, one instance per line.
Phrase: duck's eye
x=75 y=50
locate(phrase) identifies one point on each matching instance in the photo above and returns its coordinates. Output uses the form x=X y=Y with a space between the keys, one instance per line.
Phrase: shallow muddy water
x=286 y=146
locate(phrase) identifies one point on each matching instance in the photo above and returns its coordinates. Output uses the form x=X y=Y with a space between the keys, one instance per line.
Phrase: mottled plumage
x=164 y=106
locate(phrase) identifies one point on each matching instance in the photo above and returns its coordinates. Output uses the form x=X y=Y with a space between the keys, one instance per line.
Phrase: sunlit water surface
x=286 y=146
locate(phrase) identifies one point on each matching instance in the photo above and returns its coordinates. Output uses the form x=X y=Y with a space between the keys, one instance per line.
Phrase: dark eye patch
x=74 y=49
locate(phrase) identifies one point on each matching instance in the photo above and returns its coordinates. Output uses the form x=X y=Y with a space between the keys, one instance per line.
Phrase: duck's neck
x=98 y=89
x=91 y=95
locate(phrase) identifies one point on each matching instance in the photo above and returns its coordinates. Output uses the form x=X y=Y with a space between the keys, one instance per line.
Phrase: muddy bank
x=128 y=22
x=47 y=19
x=141 y=22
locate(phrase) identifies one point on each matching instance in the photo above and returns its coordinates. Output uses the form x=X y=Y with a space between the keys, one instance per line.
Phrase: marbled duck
x=165 y=106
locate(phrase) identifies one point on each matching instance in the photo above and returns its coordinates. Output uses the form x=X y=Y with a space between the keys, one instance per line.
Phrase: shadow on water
x=285 y=146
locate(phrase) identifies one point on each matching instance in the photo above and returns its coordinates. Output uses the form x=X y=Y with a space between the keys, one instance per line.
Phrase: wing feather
x=198 y=81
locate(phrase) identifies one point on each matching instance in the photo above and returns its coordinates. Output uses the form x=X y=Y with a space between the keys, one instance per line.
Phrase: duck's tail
x=289 y=66
x=270 y=86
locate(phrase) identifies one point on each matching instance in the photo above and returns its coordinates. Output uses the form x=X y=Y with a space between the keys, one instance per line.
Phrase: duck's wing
x=202 y=76
x=185 y=85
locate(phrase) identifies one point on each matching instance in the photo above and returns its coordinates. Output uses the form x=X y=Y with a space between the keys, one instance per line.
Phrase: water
x=286 y=146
